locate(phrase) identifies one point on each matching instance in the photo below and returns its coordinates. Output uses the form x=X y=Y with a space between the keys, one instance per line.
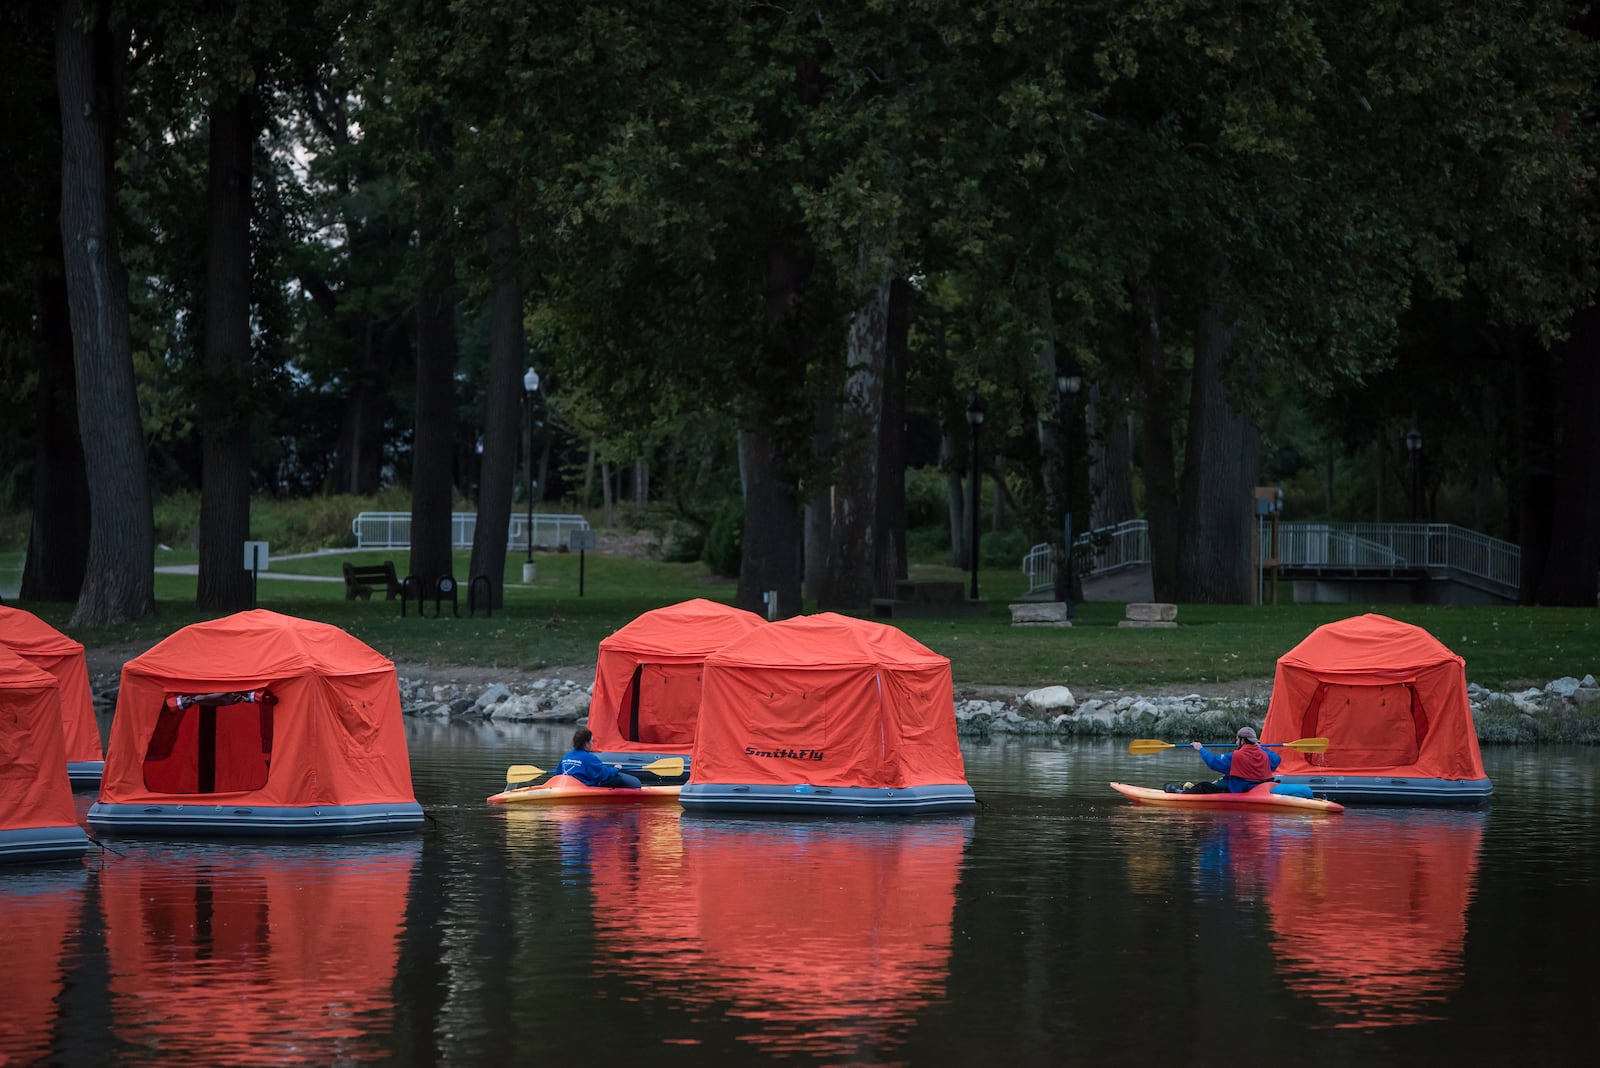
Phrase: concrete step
x=941 y=591
x=893 y=608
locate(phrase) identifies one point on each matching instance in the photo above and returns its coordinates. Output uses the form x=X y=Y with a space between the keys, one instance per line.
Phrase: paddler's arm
x=1215 y=761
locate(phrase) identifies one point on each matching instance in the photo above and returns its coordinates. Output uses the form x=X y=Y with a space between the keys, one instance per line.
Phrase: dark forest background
x=768 y=261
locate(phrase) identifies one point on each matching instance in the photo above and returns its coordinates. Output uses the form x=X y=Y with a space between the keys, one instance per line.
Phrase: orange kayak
x=1259 y=798
x=565 y=790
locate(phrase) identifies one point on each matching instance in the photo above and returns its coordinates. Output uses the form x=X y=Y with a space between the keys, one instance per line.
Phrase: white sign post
x=255 y=561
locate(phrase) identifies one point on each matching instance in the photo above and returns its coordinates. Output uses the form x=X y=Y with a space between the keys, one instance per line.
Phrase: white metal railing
x=392 y=530
x=1127 y=544
x=1444 y=550
x=1441 y=549
x=1356 y=545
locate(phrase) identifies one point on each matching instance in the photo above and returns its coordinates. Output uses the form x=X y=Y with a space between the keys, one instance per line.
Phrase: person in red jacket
x=1249 y=765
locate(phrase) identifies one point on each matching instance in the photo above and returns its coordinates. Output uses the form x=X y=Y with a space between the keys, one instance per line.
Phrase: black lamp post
x=975 y=422
x=530 y=386
x=1069 y=380
x=1414 y=450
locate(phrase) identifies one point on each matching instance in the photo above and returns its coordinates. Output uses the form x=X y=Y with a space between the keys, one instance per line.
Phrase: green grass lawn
x=549 y=624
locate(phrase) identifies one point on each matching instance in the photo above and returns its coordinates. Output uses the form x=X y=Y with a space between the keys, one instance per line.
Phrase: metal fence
x=1442 y=550
x=1127 y=544
x=392 y=530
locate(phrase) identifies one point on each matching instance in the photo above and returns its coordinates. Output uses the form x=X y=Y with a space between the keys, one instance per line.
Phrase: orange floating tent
x=45 y=647
x=827 y=713
x=271 y=954
x=258 y=723
x=646 y=695
x=37 y=818
x=1392 y=702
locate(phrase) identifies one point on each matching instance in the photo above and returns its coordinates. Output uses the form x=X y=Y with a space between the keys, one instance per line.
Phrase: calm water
x=1059 y=924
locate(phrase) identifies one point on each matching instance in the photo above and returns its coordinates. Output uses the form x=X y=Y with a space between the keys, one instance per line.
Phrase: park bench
x=361 y=581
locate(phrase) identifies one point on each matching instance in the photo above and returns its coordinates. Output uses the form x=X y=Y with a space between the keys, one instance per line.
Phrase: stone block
x=1153 y=612
x=1039 y=612
x=1146 y=623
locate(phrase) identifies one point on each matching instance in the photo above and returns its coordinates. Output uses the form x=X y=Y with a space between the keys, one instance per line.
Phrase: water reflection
x=1232 y=855
x=1367 y=911
x=43 y=910
x=252 y=954
x=1369 y=916
x=818 y=937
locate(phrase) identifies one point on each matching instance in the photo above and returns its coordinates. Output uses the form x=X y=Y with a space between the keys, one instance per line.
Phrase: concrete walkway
x=194 y=569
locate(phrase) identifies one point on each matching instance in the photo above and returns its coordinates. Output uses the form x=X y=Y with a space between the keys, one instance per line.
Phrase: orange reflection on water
x=269 y=954
x=821 y=936
x=42 y=908
x=1369 y=916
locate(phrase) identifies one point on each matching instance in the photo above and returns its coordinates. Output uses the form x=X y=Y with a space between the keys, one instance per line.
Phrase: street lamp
x=1069 y=379
x=975 y=422
x=1414 y=449
x=530 y=386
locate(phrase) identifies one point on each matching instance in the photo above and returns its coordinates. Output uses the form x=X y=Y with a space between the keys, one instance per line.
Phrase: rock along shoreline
x=1565 y=710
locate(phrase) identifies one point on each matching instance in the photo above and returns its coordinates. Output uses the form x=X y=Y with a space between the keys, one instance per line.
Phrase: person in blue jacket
x=589 y=769
x=1249 y=765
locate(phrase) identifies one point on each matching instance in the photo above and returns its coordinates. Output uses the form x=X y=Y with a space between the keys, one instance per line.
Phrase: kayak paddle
x=1304 y=745
x=666 y=766
x=522 y=773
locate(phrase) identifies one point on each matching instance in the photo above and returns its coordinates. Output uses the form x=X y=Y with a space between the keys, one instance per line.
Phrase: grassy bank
x=548 y=624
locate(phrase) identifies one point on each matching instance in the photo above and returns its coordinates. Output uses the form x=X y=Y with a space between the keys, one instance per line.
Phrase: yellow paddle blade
x=522 y=773
x=1303 y=745
x=665 y=766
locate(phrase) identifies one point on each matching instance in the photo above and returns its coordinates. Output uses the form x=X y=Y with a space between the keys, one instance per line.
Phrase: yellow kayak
x=1261 y=797
x=565 y=790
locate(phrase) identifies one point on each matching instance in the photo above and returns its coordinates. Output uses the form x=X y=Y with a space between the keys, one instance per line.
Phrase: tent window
x=1366 y=726
x=661 y=704
x=212 y=743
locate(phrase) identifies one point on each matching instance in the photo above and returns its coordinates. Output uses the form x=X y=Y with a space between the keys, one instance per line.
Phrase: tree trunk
x=1051 y=478
x=1110 y=455
x=119 y=578
x=227 y=397
x=1380 y=477
x=502 y=420
x=954 y=497
x=58 y=540
x=769 y=558
x=852 y=552
x=1155 y=431
x=1568 y=576
x=890 y=541
x=1483 y=466
x=358 y=459
x=1536 y=475
x=818 y=518
x=433 y=444
x=1220 y=470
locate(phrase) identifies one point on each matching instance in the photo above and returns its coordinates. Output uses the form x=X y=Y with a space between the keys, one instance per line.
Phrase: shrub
x=926 y=497
x=1004 y=548
x=14 y=531
x=177 y=519
x=724 y=541
x=684 y=543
